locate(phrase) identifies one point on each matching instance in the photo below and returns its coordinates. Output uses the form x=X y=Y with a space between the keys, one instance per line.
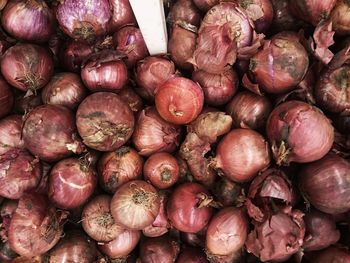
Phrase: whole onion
x=73 y=53
x=325 y=184
x=132 y=98
x=135 y=205
x=104 y=121
x=20 y=172
x=191 y=255
x=151 y=73
x=36 y=226
x=49 y=132
x=6 y=98
x=184 y=11
x=189 y=207
x=65 y=89
x=122 y=14
x=153 y=134
x=249 y=110
x=298 y=132
x=129 y=41
x=218 y=88
x=104 y=71
x=205 y=5
x=159 y=249
x=24 y=103
x=241 y=154
x=171 y=105
x=340 y=17
x=332 y=254
x=73 y=247
x=71 y=182
x=31 y=21
x=84 y=20
x=27 y=66
x=10 y=133
x=119 y=167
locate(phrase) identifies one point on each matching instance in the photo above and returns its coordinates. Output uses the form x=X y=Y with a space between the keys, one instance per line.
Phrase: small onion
x=73 y=53
x=340 y=17
x=191 y=255
x=159 y=249
x=122 y=14
x=241 y=154
x=298 y=132
x=104 y=121
x=119 y=167
x=132 y=98
x=6 y=98
x=27 y=66
x=325 y=184
x=184 y=11
x=170 y=101
x=11 y=133
x=135 y=205
x=71 y=182
x=65 y=89
x=30 y=21
x=332 y=254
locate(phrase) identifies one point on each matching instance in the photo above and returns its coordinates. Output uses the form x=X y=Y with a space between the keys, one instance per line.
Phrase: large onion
x=122 y=14
x=10 y=133
x=6 y=98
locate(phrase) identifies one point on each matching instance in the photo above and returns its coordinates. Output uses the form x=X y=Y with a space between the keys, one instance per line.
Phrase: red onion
x=151 y=73
x=153 y=134
x=73 y=247
x=72 y=181
x=332 y=254
x=325 y=185
x=31 y=20
x=73 y=53
x=340 y=17
x=159 y=249
x=24 y=103
x=10 y=133
x=84 y=20
x=191 y=255
x=298 y=132
x=161 y=170
x=135 y=205
x=36 y=226
x=49 y=132
x=218 y=88
x=129 y=41
x=104 y=71
x=241 y=154
x=189 y=209
x=105 y=121
x=132 y=98
x=249 y=110
x=19 y=171
x=6 y=98
x=27 y=66
x=122 y=14
x=170 y=101
x=227 y=192
x=282 y=18
x=184 y=11
x=205 y=5
x=119 y=167
x=64 y=89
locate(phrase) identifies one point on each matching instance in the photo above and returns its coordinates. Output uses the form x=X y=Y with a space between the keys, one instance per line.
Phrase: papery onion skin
x=184 y=11
x=249 y=110
x=64 y=89
x=104 y=121
x=119 y=167
x=325 y=184
x=44 y=125
x=183 y=211
x=6 y=98
x=27 y=66
x=132 y=98
x=298 y=132
x=71 y=183
x=104 y=71
x=10 y=133
x=83 y=20
x=332 y=254
x=171 y=105
x=241 y=154
x=122 y=14
x=340 y=17
x=191 y=255
x=153 y=134
x=30 y=21
x=135 y=205
x=73 y=53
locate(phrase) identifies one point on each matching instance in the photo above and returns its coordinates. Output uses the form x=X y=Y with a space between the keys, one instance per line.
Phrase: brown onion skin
x=73 y=53
x=104 y=71
x=325 y=184
x=129 y=41
x=122 y=14
x=183 y=211
x=71 y=183
x=27 y=66
x=249 y=110
x=153 y=134
x=135 y=205
x=218 y=88
x=43 y=125
x=241 y=154
x=332 y=254
x=161 y=170
x=298 y=132
x=151 y=73
x=64 y=89
x=30 y=21
x=104 y=121
x=184 y=11
x=10 y=133
x=191 y=255
x=119 y=167
x=340 y=17
x=6 y=98
x=171 y=105
x=332 y=91
x=132 y=98
x=159 y=248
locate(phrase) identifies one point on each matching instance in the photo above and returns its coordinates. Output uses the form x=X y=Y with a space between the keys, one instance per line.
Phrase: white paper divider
x=151 y=19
